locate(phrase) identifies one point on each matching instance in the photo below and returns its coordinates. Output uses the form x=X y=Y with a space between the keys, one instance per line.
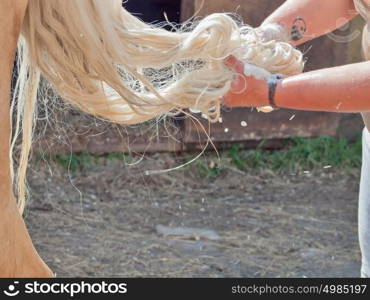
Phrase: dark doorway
x=153 y=10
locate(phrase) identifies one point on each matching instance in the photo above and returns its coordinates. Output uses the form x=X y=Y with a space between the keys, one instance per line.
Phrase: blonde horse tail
x=108 y=63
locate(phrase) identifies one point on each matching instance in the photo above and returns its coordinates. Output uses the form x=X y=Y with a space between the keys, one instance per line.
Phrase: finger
x=233 y=63
x=239 y=85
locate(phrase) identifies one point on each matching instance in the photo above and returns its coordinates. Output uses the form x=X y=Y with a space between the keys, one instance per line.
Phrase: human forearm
x=339 y=89
x=304 y=20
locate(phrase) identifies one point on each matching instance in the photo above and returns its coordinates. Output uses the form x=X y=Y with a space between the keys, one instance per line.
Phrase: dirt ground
x=102 y=221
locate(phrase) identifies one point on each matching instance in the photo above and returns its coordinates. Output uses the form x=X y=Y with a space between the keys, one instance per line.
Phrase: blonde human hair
x=108 y=63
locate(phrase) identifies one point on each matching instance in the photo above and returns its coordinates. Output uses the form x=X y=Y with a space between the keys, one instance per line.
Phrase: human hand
x=246 y=91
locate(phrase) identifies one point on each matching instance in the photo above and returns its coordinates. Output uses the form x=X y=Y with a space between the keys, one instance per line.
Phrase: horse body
x=18 y=257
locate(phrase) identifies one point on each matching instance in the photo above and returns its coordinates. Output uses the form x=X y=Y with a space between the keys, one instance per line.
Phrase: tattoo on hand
x=299 y=28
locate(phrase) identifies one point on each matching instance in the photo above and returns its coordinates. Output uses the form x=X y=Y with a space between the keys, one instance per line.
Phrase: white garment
x=364 y=206
x=364 y=9
x=364 y=201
